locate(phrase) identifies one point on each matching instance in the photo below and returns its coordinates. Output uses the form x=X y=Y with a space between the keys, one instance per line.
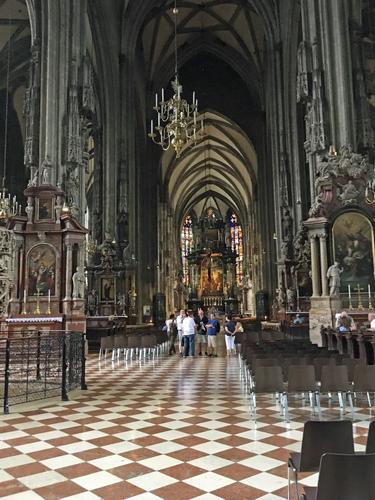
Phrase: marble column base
x=322 y=313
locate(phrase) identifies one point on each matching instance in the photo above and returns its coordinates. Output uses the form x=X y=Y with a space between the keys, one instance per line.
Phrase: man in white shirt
x=180 y=318
x=188 y=334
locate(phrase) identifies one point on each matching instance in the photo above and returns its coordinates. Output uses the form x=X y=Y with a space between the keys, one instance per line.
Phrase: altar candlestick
x=49 y=302
x=369 y=291
x=350 y=297
x=24 y=302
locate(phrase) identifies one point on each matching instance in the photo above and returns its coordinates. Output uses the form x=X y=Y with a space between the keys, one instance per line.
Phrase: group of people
x=195 y=332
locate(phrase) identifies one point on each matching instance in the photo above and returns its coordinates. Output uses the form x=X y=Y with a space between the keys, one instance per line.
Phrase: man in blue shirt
x=213 y=328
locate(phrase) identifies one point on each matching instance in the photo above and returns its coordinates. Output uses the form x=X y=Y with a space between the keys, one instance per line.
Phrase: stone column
x=314 y=266
x=323 y=263
x=68 y=271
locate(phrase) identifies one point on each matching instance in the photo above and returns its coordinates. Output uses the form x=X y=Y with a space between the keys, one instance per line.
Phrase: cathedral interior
x=160 y=155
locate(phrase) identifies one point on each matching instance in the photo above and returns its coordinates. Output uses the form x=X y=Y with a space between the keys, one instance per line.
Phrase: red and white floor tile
x=168 y=428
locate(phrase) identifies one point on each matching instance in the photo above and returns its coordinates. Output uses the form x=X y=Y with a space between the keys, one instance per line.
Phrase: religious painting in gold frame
x=41 y=270
x=353 y=249
x=211 y=275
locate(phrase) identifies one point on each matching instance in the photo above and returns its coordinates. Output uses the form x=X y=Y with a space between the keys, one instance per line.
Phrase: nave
x=165 y=428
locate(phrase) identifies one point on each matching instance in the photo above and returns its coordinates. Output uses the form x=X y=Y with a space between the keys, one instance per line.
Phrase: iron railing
x=41 y=365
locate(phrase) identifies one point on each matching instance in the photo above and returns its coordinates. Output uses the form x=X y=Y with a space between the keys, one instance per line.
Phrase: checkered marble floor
x=167 y=428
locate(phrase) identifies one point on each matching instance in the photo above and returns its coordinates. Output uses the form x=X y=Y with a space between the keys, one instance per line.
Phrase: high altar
x=212 y=267
x=43 y=285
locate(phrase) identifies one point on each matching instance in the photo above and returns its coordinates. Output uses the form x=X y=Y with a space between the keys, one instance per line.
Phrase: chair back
x=364 y=378
x=351 y=364
x=134 y=341
x=120 y=341
x=370 y=447
x=331 y=436
x=106 y=342
x=346 y=477
x=269 y=379
x=320 y=362
x=334 y=378
x=264 y=362
x=301 y=378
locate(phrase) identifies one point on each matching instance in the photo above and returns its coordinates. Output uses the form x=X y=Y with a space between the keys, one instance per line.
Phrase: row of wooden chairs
x=328 y=446
x=302 y=380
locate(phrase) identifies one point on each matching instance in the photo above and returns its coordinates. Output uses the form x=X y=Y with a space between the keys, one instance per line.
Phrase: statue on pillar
x=79 y=282
x=46 y=168
x=333 y=274
x=92 y=302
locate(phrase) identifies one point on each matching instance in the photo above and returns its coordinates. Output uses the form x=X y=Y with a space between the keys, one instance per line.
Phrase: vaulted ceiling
x=14 y=33
x=223 y=165
x=230 y=25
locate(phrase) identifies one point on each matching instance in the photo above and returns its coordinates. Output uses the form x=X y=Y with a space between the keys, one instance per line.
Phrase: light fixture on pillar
x=177 y=120
x=332 y=151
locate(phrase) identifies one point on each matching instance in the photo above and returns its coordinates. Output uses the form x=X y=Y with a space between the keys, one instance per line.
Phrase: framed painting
x=45 y=209
x=107 y=290
x=353 y=249
x=41 y=269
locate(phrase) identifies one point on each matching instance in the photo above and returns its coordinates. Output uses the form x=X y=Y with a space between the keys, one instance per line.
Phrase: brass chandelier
x=177 y=123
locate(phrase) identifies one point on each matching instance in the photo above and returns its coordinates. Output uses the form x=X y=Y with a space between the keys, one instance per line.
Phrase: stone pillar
x=323 y=307
x=314 y=266
x=323 y=263
x=68 y=271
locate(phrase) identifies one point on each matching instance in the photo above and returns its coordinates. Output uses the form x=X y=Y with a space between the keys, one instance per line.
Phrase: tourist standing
x=229 y=329
x=213 y=328
x=201 y=321
x=179 y=320
x=188 y=334
x=172 y=333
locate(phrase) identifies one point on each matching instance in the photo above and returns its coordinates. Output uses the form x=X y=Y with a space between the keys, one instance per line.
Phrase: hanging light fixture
x=8 y=205
x=177 y=123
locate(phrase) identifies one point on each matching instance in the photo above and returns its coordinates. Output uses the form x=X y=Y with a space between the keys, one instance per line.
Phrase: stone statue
x=92 y=302
x=97 y=225
x=349 y=194
x=46 y=170
x=290 y=299
x=280 y=298
x=333 y=274
x=34 y=174
x=317 y=209
x=108 y=252
x=121 y=304
x=79 y=282
x=287 y=224
x=29 y=211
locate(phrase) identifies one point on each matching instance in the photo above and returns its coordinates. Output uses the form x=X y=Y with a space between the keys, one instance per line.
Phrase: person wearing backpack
x=213 y=328
x=172 y=333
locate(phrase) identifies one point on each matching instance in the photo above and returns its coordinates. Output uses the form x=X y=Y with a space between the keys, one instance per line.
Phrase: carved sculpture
x=79 y=282
x=290 y=299
x=333 y=274
x=92 y=302
x=349 y=194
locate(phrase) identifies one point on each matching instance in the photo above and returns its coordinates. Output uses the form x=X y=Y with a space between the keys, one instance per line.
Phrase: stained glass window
x=187 y=246
x=237 y=245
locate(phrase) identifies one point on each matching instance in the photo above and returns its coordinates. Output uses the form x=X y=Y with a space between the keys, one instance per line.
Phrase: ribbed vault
x=14 y=32
x=223 y=165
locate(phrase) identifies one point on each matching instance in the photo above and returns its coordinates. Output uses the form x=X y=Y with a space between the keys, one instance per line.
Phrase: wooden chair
x=319 y=437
